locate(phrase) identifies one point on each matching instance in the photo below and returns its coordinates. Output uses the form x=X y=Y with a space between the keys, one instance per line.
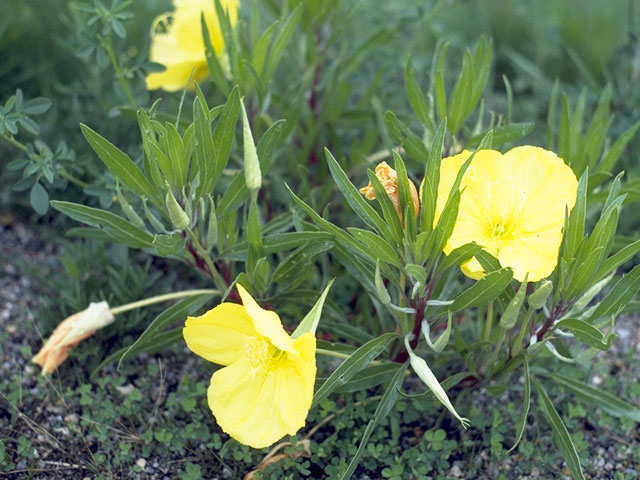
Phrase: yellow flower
x=180 y=47
x=70 y=332
x=266 y=388
x=513 y=205
x=389 y=180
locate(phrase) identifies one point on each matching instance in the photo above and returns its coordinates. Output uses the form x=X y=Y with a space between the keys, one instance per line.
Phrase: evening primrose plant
x=465 y=262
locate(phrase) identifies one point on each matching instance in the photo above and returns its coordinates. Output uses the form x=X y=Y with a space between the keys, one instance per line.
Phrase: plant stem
x=489 y=323
x=331 y=353
x=161 y=298
x=517 y=346
x=64 y=174
x=494 y=354
x=107 y=44
x=14 y=142
x=215 y=275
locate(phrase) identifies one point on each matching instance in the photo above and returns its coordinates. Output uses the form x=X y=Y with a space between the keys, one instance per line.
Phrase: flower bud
x=538 y=298
x=70 y=332
x=389 y=180
x=252 y=174
x=179 y=219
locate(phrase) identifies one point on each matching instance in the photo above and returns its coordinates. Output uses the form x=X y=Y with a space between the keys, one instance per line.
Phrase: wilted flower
x=266 y=388
x=513 y=205
x=389 y=180
x=70 y=332
x=177 y=43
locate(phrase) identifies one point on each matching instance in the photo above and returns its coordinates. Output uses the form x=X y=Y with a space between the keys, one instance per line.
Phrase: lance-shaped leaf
x=121 y=165
x=310 y=322
x=526 y=399
x=352 y=365
x=483 y=291
x=587 y=333
x=116 y=227
x=622 y=292
x=612 y=404
x=560 y=434
x=382 y=410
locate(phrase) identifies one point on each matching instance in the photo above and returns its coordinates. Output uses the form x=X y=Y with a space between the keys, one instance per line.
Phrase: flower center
x=261 y=353
x=503 y=210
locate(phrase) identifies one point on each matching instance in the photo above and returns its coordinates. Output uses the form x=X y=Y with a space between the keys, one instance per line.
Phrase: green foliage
x=278 y=208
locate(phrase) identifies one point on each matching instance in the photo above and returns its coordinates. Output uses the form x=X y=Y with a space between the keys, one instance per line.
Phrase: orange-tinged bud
x=70 y=332
x=389 y=180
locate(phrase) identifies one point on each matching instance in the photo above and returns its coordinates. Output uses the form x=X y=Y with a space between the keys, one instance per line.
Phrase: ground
x=149 y=419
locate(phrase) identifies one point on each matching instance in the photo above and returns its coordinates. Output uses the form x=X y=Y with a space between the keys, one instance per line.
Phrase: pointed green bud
x=252 y=174
x=538 y=298
x=212 y=227
x=179 y=219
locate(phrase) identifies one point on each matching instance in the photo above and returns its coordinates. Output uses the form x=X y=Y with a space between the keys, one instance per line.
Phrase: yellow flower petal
x=513 y=205
x=266 y=322
x=180 y=47
x=221 y=334
x=259 y=404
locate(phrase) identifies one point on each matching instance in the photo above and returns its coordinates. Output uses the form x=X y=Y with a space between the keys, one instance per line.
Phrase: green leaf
x=383 y=293
x=116 y=227
x=378 y=246
x=168 y=245
x=416 y=97
x=619 y=258
x=504 y=133
x=622 y=292
x=412 y=144
x=310 y=322
x=282 y=39
x=293 y=264
x=612 y=404
x=357 y=202
x=461 y=95
x=178 y=311
x=213 y=151
x=483 y=291
x=354 y=364
x=382 y=410
x=587 y=333
x=370 y=377
x=440 y=93
x=177 y=156
x=526 y=399
x=458 y=256
x=404 y=196
x=342 y=237
x=121 y=165
x=36 y=106
x=261 y=48
x=617 y=149
x=510 y=315
x=429 y=186
x=560 y=434
x=574 y=228
x=482 y=57
x=39 y=198
x=388 y=211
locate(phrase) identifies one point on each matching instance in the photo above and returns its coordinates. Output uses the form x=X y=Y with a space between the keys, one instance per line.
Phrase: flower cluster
x=513 y=205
